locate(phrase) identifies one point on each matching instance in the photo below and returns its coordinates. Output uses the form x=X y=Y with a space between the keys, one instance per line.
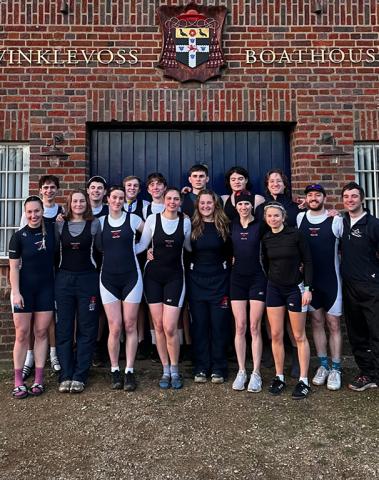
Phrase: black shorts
x=36 y=300
x=289 y=297
x=247 y=287
x=169 y=291
x=125 y=287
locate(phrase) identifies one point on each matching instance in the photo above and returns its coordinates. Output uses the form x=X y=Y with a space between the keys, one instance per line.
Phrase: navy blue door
x=116 y=153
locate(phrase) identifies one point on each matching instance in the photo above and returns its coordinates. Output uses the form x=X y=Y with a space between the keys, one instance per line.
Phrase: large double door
x=117 y=152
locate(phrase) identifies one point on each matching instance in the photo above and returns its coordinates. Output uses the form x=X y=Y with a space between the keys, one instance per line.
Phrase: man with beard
x=322 y=233
x=360 y=273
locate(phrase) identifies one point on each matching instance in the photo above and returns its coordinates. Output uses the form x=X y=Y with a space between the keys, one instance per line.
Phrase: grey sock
x=174 y=370
x=166 y=370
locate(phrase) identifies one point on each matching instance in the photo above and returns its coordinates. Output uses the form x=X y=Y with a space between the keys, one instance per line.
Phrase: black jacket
x=359 y=248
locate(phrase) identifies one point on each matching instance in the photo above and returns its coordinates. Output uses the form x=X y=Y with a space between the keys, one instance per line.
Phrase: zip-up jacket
x=359 y=248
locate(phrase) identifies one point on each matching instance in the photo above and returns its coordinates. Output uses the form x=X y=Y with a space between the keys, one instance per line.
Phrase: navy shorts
x=169 y=291
x=41 y=300
x=289 y=297
x=125 y=287
x=247 y=287
x=330 y=301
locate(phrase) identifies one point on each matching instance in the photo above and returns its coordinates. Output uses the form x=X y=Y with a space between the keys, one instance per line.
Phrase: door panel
x=116 y=153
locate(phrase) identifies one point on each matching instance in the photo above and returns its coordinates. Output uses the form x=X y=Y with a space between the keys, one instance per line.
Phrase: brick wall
x=38 y=101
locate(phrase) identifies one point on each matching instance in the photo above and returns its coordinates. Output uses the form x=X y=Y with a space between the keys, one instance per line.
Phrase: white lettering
x=250 y=56
x=370 y=54
x=106 y=52
x=269 y=53
x=41 y=56
x=88 y=59
x=71 y=57
x=133 y=55
x=354 y=59
x=336 y=55
x=317 y=55
x=22 y=55
x=284 y=58
x=57 y=60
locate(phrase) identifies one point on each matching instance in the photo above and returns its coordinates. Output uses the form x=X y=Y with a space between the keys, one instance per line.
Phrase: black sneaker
x=277 y=386
x=361 y=383
x=130 y=383
x=301 y=391
x=116 y=383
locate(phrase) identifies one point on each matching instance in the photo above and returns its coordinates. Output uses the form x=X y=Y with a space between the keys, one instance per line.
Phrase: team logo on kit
x=191 y=41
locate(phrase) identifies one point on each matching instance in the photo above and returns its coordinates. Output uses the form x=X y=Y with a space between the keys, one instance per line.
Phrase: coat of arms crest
x=192 y=41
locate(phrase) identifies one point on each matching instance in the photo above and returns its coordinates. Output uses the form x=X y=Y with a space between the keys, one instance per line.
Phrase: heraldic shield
x=192 y=41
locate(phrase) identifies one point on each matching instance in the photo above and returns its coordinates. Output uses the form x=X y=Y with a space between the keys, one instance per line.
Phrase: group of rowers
x=198 y=258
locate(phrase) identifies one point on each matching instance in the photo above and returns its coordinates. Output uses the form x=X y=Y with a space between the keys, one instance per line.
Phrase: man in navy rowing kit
x=198 y=178
x=156 y=185
x=360 y=274
x=132 y=186
x=97 y=189
x=322 y=233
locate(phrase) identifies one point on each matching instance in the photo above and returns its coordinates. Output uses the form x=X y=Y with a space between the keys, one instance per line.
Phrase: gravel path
x=201 y=432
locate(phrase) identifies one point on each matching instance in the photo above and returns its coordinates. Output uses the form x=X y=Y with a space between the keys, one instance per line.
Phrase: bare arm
x=14 y=277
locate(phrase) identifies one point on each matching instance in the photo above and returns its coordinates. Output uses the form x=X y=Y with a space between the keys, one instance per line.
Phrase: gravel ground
x=201 y=432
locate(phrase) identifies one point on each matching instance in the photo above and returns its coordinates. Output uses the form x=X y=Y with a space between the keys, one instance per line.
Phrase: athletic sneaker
x=176 y=382
x=200 y=377
x=334 y=380
x=216 y=378
x=64 y=387
x=55 y=365
x=239 y=382
x=27 y=371
x=76 y=386
x=164 y=382
x=321 y=376
x=361 y=383
x=130 y=383
x=255 y=383
x=277 y=386
x=116 y=383
x=301 y=391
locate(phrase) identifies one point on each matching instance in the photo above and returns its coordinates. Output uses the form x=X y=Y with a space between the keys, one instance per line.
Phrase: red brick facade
x=317 y=97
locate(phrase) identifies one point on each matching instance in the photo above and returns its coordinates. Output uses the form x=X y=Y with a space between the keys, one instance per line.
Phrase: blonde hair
x=221 y=221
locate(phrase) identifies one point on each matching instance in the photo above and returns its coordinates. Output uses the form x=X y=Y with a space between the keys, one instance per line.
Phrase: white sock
x=128 y=369
x=53 y=352
x=281 y=377
x=29 y=361
x=304 y=380
x=115 y=369
x=180 y=331
x=153 y=337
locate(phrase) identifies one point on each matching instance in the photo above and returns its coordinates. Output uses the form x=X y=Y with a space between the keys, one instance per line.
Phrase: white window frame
x=366 y=162
x=6 y=199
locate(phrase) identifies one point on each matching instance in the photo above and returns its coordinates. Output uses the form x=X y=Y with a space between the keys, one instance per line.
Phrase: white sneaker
x=334 y=380
x=321 y=376
x=255 y=384
x=55 y=365
x=239 y=382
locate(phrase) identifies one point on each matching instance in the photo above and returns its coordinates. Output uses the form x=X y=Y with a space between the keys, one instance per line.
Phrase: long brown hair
x=87 y=215
x=221 y=221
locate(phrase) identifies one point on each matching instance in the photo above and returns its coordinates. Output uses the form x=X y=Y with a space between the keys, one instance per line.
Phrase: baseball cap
x=314 y=187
